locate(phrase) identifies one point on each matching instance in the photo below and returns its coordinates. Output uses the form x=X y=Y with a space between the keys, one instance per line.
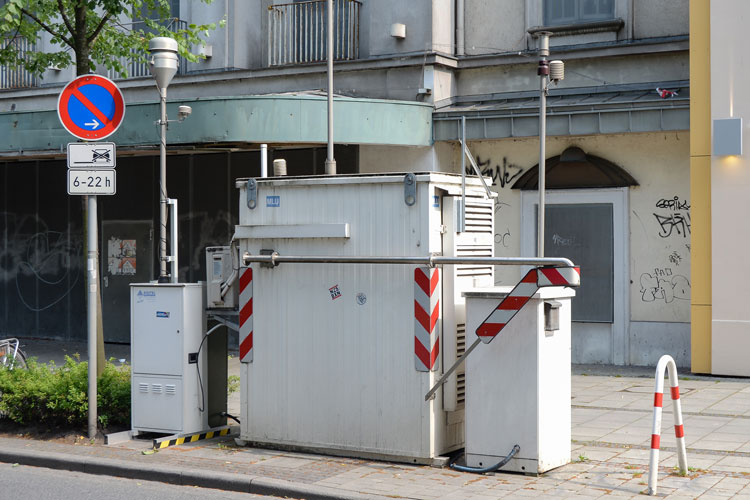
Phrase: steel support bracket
x=252 y=194
x=410 y=189
x=272 y=253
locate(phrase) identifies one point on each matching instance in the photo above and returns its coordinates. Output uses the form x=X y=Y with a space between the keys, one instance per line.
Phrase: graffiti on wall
x=663 y=285
x=502 y=174
x=43 y=265
x=673 y=217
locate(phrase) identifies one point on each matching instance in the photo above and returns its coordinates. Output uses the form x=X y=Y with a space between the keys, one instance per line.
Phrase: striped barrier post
x=666 y=362
x=520 y=295
x=426 y=318
x=246 y=315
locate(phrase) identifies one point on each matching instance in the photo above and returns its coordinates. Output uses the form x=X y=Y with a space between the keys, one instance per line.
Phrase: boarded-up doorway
x=126 y=256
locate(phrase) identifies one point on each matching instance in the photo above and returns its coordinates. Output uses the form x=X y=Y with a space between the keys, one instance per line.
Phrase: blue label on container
x=273 y=201
x=147 y=293
x=436 y=201
x=162 y=314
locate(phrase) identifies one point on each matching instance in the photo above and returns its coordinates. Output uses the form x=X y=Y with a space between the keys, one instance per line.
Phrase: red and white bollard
x=666 y=362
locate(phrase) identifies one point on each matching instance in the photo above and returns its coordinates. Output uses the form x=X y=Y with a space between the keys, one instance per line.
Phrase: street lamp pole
x=163 y=66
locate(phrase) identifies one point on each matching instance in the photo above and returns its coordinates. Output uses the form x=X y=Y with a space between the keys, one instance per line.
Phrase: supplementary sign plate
x=92 y=182
x=91 y=155
x=91 y=107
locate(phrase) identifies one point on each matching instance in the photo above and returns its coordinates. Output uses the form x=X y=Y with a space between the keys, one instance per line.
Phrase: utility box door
x=158 y=330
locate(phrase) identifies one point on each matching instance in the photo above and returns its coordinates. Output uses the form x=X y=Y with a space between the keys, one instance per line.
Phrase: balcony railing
x=137 y=68
x=17 y=77
x=297 y=32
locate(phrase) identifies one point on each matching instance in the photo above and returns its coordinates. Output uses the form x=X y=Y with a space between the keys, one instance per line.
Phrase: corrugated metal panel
x=333 y=347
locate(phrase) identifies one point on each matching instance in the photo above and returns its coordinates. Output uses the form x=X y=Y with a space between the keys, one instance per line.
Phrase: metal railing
x=297 y=32
x=137 y=68
x=16 y=76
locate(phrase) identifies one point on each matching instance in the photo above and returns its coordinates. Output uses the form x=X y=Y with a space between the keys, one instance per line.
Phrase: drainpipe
x=264 y=160
x=460 y=47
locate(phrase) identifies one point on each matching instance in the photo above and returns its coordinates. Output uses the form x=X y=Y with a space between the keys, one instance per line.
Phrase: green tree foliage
x=90 y=33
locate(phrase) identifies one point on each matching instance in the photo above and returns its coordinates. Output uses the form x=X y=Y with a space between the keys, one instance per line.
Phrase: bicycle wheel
x=20 y=361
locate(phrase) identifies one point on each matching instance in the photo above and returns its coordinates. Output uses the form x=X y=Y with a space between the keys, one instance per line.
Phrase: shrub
x=49 y=395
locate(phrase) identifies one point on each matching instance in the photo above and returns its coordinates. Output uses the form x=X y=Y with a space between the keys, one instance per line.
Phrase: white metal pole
x=330 y=161
x=173 y=237
x=264 y=160
x=543 y=72
x=92 y=319
x=163 y=189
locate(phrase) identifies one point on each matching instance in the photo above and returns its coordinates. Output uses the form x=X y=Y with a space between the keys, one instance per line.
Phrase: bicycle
x=11 y=355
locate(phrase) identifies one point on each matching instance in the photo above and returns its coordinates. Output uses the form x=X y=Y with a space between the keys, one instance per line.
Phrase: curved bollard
x=666 y=362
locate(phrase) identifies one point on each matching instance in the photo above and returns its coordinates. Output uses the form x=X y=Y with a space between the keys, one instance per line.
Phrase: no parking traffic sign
x=91 y=107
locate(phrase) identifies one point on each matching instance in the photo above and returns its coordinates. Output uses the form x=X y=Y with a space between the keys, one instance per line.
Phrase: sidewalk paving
x=611 y=432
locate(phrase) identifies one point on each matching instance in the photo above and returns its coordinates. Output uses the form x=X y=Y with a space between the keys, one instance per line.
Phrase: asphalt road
x=37 y=483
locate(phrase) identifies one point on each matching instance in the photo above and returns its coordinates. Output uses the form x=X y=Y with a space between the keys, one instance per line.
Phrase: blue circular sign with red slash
x=91 y=107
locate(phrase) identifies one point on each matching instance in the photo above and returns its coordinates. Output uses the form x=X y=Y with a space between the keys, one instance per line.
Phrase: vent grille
x=460 y=390
x=460 y=339
x=156 y=388
x=142 y=387
x=170 y=389
x=460 y=374
x=478 y=215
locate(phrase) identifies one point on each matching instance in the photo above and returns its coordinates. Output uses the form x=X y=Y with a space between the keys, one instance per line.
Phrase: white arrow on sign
x=92 y=124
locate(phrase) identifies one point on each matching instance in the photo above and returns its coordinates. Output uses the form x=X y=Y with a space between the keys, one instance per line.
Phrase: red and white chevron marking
x=666 y=362
x=559 y=276
x=508 y=307
x=426 y=318
x=246 y=315
x=520 y=295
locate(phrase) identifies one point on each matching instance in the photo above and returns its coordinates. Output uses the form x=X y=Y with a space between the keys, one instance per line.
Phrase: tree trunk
x=83 y=52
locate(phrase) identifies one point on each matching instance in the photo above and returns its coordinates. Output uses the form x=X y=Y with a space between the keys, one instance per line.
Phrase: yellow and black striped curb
x=189 y=438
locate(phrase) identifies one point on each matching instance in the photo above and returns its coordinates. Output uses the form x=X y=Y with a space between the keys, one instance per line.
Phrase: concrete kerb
x=183 y=477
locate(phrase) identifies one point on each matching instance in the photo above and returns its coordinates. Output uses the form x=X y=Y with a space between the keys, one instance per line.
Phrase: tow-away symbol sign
x=92 y=155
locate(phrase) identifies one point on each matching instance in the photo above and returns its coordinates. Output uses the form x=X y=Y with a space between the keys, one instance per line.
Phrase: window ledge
x=580 y=28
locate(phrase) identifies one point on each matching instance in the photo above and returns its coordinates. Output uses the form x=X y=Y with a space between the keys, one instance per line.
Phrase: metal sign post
x=91 y=107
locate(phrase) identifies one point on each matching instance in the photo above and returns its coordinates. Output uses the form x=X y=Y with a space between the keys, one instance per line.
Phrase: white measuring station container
x=520 y=382
x=335 y=363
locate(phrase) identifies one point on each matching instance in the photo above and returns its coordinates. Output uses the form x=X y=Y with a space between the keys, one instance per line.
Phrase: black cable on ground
x=483 y=470
x=225 y=414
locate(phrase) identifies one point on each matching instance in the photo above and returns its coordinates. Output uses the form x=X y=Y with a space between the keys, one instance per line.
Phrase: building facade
x=406 y=75
x=719 y=179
